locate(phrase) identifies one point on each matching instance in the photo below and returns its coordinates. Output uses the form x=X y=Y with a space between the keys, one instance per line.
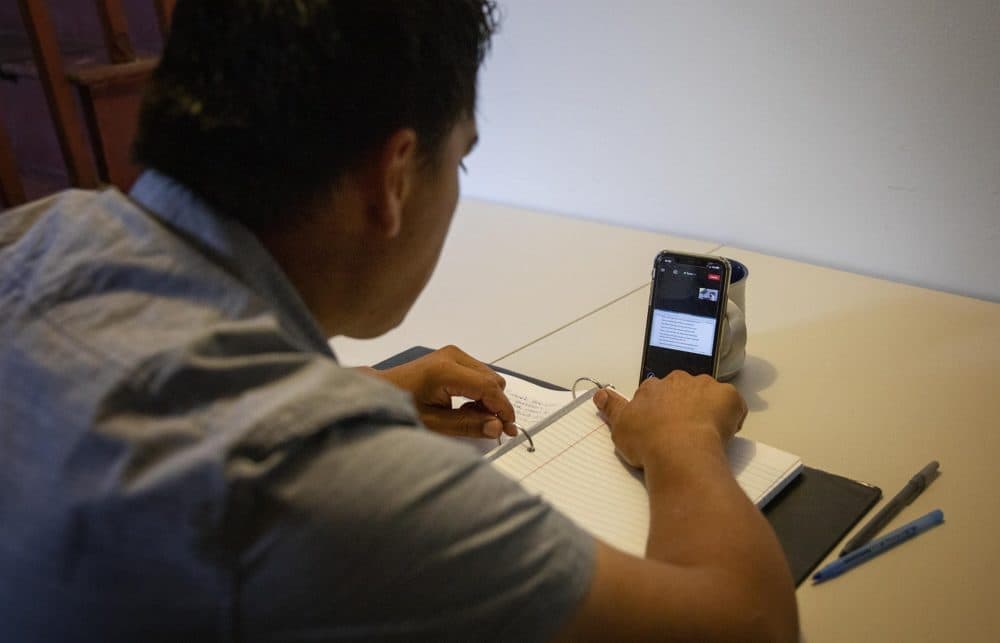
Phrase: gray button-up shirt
x=181 y=455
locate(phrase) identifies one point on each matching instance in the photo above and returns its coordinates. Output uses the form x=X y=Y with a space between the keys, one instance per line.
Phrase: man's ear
x=391 y=180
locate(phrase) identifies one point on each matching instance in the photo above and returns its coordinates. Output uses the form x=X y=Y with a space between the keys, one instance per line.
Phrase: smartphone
x=684 y=324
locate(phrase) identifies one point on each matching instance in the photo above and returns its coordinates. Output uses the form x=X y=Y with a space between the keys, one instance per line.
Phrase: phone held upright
x=687 y=303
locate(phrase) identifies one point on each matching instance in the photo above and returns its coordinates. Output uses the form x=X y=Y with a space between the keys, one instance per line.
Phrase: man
x=182 y=455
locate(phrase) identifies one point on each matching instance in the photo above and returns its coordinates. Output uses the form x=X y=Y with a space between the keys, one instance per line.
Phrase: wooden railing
x=95 y=143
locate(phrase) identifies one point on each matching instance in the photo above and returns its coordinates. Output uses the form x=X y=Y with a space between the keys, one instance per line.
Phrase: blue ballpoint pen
x=876 y=547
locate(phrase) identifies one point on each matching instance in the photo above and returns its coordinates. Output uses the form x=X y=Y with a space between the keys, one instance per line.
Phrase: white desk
x=871 y=380
x=509 y=276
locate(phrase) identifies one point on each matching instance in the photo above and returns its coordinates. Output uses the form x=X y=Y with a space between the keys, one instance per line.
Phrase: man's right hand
x=672 y=415
x=713 y=568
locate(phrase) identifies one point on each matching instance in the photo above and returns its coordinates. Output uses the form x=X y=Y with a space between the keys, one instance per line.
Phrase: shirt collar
x=235 y=245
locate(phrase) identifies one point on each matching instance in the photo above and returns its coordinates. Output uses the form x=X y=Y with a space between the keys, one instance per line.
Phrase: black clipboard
x=814 y=513
x=810 y=516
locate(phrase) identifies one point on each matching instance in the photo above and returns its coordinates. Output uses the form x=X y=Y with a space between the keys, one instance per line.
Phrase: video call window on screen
x=708 y=294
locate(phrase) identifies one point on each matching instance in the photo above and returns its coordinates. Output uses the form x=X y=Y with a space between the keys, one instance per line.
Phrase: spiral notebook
x=571 y=462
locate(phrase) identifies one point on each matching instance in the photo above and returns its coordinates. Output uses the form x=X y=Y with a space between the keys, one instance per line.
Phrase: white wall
x=860 y=134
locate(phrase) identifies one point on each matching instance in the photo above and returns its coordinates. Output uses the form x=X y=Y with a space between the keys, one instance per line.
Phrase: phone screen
x=685 y=315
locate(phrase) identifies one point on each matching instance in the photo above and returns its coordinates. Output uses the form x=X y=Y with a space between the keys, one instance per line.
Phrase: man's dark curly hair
x=260 y=106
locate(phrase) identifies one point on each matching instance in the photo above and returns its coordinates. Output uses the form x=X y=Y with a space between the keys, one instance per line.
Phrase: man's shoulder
x=102 y=272
x=30 y=234
x=116 y=330
x=80 y=241
x=68 y=211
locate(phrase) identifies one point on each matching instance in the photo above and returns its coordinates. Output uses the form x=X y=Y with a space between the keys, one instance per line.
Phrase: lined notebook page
x=575 y=467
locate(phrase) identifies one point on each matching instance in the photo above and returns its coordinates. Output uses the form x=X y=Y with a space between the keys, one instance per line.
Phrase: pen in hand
x=913 y=488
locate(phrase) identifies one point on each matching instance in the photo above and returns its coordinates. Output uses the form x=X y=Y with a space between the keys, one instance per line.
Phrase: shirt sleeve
x=391 y=533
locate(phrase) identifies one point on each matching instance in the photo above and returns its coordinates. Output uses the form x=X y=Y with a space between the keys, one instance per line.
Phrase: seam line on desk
x=593 y=312
x=570 y=323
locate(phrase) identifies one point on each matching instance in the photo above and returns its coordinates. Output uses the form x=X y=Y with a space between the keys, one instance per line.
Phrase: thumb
x=610 y=404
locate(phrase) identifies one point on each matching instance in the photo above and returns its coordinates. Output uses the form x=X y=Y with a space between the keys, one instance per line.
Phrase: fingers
x=460 y=381
x=737 y=406
x=450 y=372
x=692 y=409
x=510 y=428
x=464 y=359
x=744 y=412
x=701 y=398
x=460 y=375
x=469 y=421
x=423 y=376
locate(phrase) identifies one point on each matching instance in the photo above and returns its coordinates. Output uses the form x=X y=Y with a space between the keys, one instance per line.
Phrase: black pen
x=912 y=489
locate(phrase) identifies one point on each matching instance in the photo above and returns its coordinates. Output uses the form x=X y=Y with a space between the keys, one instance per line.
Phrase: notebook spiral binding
x=579 y=380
